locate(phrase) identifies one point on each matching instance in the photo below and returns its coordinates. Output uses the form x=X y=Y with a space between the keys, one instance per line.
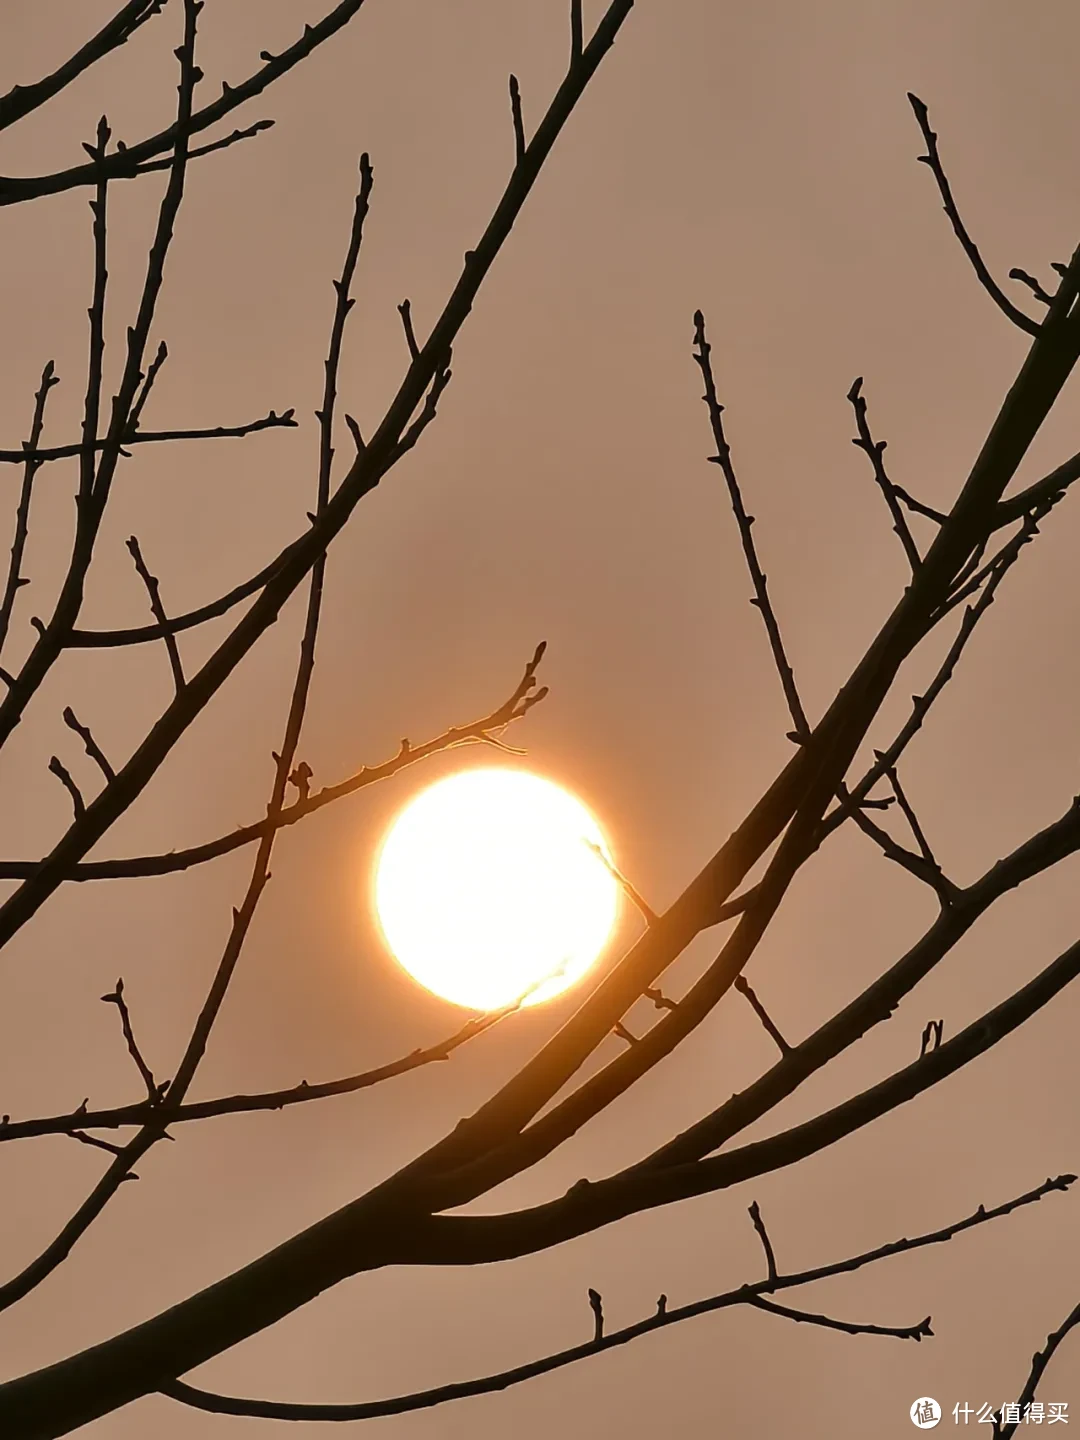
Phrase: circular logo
x=925 y=1413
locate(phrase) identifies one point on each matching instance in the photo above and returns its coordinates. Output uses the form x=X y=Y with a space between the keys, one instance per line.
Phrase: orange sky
x=758 y=161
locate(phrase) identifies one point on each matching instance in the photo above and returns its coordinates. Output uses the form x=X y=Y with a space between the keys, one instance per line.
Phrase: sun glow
x=489 y=891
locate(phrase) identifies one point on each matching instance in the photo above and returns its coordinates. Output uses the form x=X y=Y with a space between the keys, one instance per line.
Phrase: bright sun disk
x=487 y=889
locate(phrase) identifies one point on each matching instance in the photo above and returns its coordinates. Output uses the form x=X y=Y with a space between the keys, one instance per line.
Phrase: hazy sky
x=757 y=160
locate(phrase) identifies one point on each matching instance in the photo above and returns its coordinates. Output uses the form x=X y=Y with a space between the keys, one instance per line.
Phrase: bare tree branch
x=153 y=592
x=22 y=100
x=751 y=1294
x=971 y=250
x=874 y=449
x=15 y=578
x=153 y=437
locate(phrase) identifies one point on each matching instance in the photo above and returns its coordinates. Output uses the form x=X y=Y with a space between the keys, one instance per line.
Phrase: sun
x=489 y=891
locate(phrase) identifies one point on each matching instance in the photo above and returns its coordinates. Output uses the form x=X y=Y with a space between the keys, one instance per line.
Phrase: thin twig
x=761 y=600
x=15 y=579
x=60 y=770
x=153 y=590
x=1039 y=1362
x=631 y=892
x=596 y=1305
x=763 y=1236
x=932 y=1034
x=744 y=1295
x=131 y=161
x=405 y=311
x=743 y=986
x=152 y=372
x=874 y=449
x=153 y=437
x=526 y=694
x=913 y=822
x=116 y=997
x=933 y=159
x=519 y=123
x=575 y=32
x=93 y=749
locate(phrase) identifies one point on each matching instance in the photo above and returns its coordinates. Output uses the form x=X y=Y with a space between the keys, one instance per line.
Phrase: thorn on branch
x=596 y=1305
x=661 y=1307
x=742 y=985
x=931 y=1037
x=763 y=1236
x=93 y=749
x=623 y=1033
x=519 y=123
x=60 y=770
x=158 y=610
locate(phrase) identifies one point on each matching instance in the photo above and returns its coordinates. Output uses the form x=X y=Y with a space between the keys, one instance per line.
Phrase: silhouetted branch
x=15 y=578
x=766 y=1243
x=627 y=886
x=1039 y=1362
x=931 y=1037
x=1050 y=487
x=761 y=600
x=153 y=370
x=60 y=770
x=989 y=284
x=144 y=634
x=874 y=450
x=22 y=100
x=596 y=1305
x=917 y=505
x=116 y=997
x=152 y=437
x=93 y=749
x=519 y=124
x=664 y=1315
x=947 y=889
x=742 y=985
x=405 y=311
x=119 y=1116
x=132 y=160
x=1032 y=284
x=153 y=591
x=575 y=31
x=525 y=695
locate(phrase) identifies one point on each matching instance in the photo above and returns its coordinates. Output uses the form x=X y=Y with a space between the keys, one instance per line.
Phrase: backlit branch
x=933 y=159
x=131 y=160
x=751 y=1294
x=153 y=592
x=15 y=578
x=874 y=449
x=154 y=437
x=525 y=695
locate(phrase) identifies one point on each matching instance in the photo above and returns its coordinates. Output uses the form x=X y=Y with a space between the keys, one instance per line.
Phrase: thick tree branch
x=22 y=100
